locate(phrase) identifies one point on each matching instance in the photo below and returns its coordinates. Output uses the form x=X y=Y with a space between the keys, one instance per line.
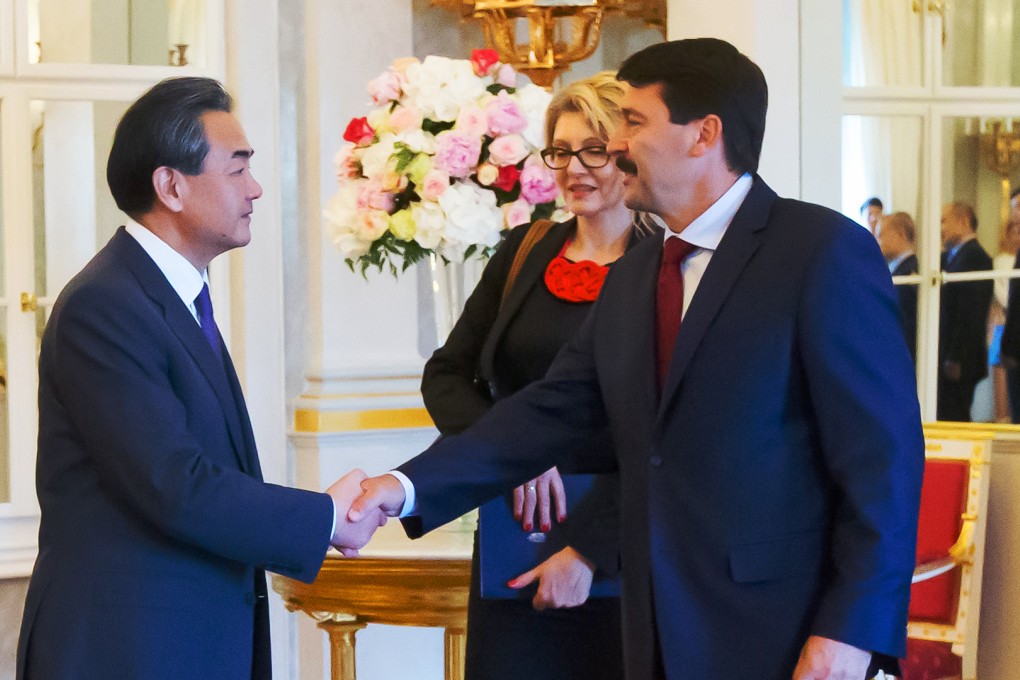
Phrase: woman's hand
x=564 y=580
x=537 y=494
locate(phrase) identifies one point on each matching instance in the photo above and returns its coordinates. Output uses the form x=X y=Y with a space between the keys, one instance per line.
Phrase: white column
x=768 y=32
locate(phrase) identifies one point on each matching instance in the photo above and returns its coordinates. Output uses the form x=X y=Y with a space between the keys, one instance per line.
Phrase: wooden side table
x=399 y=587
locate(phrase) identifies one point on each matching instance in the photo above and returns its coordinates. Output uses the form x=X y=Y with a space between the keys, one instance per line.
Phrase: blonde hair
x=596 y=98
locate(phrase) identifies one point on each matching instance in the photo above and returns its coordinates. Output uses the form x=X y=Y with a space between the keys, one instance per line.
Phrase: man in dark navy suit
x=963 y=314
x=156 y=525
x=896 y=234
x=752 y=372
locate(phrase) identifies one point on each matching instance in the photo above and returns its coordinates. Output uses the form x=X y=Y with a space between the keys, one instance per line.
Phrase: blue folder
x=505 y=550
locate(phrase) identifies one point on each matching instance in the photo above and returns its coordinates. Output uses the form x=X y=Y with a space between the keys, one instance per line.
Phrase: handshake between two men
x=362 y=505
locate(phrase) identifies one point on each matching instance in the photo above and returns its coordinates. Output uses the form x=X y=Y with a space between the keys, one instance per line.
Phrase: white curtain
x=882 y=154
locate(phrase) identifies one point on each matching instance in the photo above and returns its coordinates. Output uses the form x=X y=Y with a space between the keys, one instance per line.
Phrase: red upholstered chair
x=946 y=596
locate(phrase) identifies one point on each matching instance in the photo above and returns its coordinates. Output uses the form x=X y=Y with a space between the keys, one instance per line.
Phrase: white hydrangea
x=534 y=100
x=472 y=218
x=439 y=87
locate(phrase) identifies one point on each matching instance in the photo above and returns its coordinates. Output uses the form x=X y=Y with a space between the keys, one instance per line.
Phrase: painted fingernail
x=546 y=526
x=562 y=518
x=527 y=527
x=517 y=517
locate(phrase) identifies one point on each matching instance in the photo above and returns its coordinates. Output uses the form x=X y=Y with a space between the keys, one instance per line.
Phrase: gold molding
x=313 y=420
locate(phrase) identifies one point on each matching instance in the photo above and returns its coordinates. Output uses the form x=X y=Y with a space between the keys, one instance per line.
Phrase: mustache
x=626 y=165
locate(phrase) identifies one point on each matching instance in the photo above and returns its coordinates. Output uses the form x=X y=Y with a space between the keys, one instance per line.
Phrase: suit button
x=249 y=599
x=655 y=461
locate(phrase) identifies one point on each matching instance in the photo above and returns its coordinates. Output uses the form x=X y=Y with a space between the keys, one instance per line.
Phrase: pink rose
x=538 y=183
x=457 y=153
x=505 y=115
x=517 y=212
x=405 y=118
x=433 y=185
x=472 y=121
x=384 y=88
x=508 y=150
x=371 y=196
x=346 y=165
x=506 y=76
x=372 y=224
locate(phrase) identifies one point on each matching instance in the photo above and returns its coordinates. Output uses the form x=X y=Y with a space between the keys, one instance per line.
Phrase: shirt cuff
x=410 y=506
x=332 y=531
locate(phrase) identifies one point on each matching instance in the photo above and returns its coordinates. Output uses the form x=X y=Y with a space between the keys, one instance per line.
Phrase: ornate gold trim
x=313 y=420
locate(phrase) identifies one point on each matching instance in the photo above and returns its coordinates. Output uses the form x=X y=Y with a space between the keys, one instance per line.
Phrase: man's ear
x=709 y=135
x=170 y=187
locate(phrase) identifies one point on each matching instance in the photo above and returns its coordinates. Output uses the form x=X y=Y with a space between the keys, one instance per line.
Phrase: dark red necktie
x=669 y=302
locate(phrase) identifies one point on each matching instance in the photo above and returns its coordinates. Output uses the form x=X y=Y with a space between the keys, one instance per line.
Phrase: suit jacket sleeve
x=461 y=472
x=450 y=386
x=111 y=376
x=1011 y=334
x=861 y=386
x=966 y=329
x=593 y=527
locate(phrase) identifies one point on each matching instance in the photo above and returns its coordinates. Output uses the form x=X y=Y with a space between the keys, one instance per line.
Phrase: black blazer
x=963 y=318
x=461 y=380
x=156 y=525
x=907 y=295
x=771 y=493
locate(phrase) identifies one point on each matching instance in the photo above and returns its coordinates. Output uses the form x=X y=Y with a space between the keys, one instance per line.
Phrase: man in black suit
x=156 y=526
x=896 y=234
x=963 y=316
x=1010 y=344
x=769 y=446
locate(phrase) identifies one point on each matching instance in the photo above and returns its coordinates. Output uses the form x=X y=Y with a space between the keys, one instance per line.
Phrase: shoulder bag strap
x=537 y=230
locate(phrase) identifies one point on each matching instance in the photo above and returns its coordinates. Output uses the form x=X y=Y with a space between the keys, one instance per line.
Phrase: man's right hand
x=349 y=536
x=384 y=493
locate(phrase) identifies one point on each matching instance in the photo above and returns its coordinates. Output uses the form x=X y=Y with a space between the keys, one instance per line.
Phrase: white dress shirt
x=705 y=232
x=182 y=276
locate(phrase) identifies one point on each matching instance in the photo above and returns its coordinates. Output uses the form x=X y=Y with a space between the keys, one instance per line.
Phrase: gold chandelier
x=559 y=32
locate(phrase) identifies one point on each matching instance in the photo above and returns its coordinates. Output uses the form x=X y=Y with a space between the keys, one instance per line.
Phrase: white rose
x=376 y=157
x=439 y=87
x=534 y=100
x=343 y=219
x=429 y=219
x=418 y=141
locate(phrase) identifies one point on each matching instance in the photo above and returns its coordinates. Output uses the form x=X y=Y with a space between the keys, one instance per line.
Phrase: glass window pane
x=979 y=46
x=883 y=44
x=117 y=32
x=74 y=212
x=978 y=174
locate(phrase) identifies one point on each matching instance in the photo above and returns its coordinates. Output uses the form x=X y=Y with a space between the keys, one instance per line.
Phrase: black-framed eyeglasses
x=591 y=157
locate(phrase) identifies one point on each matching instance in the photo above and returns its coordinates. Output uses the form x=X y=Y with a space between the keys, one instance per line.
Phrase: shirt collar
x=707 y=230
x=898 y=260
x=186 y=281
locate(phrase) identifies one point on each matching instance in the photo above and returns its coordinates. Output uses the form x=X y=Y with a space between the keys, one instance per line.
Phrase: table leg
x=341 y=645
x=453 y=653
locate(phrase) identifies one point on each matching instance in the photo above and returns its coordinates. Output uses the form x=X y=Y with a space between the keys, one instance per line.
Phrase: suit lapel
x=640 y=366
x=531 y=271
x=183 y=325
x=740 y=242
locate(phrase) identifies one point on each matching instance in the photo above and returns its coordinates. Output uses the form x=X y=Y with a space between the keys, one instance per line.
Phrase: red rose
x=359 y=131
x=483 y=60
x=508 y=176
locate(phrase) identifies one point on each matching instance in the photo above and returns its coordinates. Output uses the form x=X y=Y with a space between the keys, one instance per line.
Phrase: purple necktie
x=203 y=305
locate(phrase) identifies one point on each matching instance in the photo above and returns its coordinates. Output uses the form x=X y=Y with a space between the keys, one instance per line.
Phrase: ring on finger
x=531 y=488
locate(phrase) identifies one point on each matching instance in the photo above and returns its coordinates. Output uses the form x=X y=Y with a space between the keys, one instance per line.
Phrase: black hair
x=873 y=202
x=702 y=76
x=162 y=128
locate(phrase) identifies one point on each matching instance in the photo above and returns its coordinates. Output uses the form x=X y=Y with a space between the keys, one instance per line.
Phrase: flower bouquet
x=443 y=165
